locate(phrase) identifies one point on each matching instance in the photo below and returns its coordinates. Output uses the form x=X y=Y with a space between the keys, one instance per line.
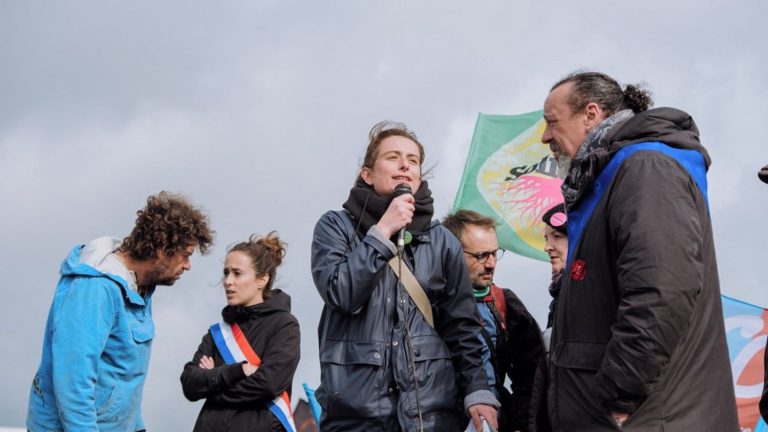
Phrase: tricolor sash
x=234 y=348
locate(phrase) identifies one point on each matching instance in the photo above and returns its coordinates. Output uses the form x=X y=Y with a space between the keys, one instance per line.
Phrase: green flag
x=511 y=176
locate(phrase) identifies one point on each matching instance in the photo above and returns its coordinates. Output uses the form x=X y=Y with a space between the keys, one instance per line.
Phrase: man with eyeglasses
x=511 y=338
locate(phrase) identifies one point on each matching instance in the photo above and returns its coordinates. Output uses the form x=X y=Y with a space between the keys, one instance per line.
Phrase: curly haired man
x=99 y=331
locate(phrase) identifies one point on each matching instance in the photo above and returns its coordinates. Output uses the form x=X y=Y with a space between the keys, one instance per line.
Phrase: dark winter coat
x=372 y=336
x=638 y=325
x=234 y=402
x=517 y=354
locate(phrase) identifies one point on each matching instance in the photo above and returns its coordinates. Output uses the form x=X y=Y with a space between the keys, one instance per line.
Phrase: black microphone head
x=401 y=189
x=762 y=175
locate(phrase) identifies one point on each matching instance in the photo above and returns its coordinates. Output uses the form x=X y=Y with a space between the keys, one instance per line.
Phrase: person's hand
x=619 y=417
x=398 y=214
x=249 y=369
x=206 y=362
x=486 y=411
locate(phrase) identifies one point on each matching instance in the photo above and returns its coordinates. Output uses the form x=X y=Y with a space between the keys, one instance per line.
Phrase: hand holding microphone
x=398 y=214
x=402 y=189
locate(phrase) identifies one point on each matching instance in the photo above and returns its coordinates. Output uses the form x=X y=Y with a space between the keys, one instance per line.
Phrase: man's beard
x=166 y=281
x=483 y=284
x=563 y=166
x=159 y=276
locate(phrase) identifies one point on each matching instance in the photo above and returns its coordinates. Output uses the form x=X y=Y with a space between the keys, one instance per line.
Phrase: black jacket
x=638 y=325
x=764 y=399
x=372 y=336
x=234 y=402
x=517 y=354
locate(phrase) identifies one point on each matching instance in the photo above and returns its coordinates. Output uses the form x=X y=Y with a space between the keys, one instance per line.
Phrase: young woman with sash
x=388 y=360
x=244 y=366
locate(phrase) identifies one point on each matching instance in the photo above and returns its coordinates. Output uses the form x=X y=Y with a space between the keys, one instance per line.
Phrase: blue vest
x=691 y=160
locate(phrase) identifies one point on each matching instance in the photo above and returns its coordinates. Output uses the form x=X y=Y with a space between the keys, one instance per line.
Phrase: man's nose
x=546 y=136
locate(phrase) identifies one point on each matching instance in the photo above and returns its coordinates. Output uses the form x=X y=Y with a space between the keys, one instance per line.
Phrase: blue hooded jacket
x=95 y=349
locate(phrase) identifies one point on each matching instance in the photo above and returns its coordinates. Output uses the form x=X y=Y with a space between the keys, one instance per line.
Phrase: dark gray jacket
x=638 y=326
x=372 y=336
x=764 y=400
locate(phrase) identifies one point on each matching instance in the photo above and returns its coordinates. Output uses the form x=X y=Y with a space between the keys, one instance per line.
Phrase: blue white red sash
x=234 y=348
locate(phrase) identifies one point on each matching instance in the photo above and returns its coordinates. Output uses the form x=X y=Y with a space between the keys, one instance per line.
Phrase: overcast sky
x=259 y=112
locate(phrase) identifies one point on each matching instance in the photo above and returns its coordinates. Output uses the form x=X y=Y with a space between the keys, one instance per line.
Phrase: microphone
x=401 y=189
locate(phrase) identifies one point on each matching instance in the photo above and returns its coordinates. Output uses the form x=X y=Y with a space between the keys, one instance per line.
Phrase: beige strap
x=414 y=289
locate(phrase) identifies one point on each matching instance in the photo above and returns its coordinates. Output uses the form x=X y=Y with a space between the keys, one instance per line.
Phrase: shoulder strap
x=501 y=304
x=498 y=305
x=494 y=358
x=414 y=289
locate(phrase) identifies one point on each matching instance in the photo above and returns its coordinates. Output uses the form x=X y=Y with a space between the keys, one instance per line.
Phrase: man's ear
x=594 y=115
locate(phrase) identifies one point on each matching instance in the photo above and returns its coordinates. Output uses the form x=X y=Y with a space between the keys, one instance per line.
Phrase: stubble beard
x=160 y=276
x=483 y=285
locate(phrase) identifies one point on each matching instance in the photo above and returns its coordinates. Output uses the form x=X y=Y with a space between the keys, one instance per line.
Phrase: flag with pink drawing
x=511 y=176
x=746 y=328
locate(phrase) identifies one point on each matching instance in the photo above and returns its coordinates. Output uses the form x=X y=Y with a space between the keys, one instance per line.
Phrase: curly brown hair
x=170 y=223
x=266 y=254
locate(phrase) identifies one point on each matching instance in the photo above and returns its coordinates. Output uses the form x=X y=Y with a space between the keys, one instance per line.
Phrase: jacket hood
x=278 y=302
x=670 y=126
x=88 y=259
x=95 y=259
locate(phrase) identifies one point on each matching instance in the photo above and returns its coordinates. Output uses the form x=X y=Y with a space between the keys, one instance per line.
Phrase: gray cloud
x=260 y=111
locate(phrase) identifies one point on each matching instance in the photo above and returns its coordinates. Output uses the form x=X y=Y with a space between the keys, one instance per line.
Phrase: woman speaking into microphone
x=398 y=335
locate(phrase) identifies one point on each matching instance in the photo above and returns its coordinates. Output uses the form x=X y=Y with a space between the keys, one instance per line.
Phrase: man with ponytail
x=638 y=341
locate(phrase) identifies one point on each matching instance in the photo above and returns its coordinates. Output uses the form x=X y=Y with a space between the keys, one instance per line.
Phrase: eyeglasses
x=482 y=257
